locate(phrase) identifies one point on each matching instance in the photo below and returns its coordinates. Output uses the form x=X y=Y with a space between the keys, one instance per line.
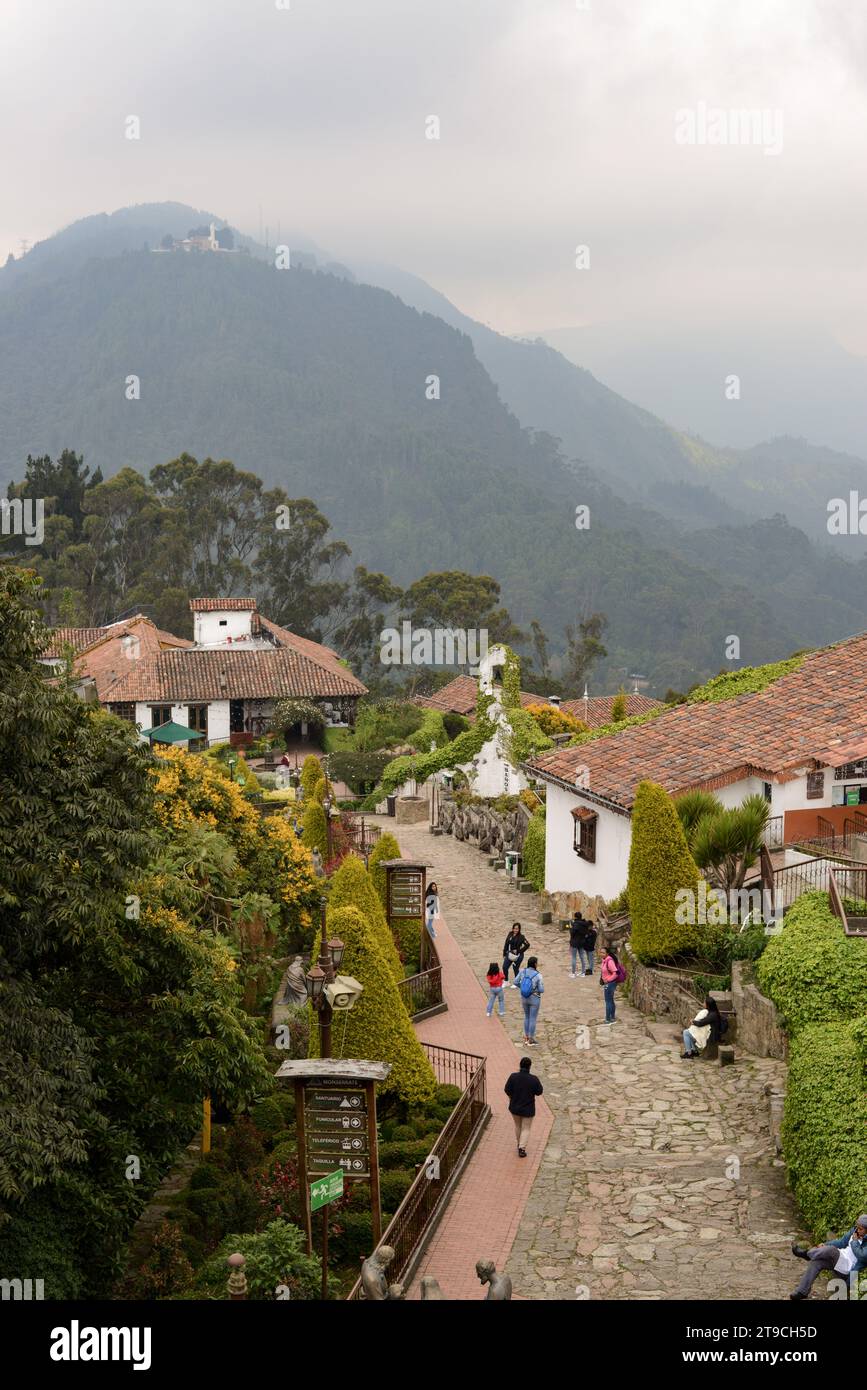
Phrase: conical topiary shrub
x=660 y=867
x=311 y=771
x=352 y=886
x=315 y=833
x=378 y=1028
x=386 y=847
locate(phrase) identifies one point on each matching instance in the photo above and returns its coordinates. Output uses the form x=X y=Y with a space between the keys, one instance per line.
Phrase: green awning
x=171 y=733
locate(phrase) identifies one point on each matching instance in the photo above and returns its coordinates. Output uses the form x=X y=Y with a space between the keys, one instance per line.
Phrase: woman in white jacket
x=695 y=1037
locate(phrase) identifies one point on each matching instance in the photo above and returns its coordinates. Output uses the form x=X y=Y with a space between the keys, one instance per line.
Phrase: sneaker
x=572 y=975
x=588 y=972
x=794 y=1295
x=522 y=1153
x=801 y=1251
x=531 y=1042
x=684 y=1056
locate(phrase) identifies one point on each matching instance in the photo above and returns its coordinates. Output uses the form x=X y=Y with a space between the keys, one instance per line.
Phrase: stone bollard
x=726 y=1056
x=544 y=919
x=236 y=1283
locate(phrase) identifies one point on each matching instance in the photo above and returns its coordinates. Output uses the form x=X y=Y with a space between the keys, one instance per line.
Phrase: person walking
x=514 y=948
x=582 y=941
x=846 y=1256
x=431 y=908
x=611 y=975
x=532 y=987
x=522 y=1090
x=496 y=982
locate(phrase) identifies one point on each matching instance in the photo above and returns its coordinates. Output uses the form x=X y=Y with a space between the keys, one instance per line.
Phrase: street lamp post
x=326 y=806
x=318 y=978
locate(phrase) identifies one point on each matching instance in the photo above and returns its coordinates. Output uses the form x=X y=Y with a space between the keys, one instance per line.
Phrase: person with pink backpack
x=612 y=975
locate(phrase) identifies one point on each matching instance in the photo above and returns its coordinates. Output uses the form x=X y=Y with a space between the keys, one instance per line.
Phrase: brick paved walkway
x=658 y=1179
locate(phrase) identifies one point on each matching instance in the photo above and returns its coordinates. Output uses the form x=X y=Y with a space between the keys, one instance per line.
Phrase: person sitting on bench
x=697 y=1035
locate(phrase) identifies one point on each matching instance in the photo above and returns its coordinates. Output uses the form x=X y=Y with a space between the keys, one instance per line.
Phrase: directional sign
x=324 y=1190
x=336 y=1100
x=328 y=1121
x=338 y=1143
x=352 y=1167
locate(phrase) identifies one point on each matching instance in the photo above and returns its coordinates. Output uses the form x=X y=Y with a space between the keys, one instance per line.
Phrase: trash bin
x=513 y=863
x=390 y=802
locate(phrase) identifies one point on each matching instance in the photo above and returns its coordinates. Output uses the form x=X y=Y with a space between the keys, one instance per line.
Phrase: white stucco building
x=801 y=743
x=224 y=684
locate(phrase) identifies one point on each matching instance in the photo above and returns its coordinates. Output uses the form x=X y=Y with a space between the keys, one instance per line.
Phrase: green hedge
x=533 y=860
x=812 y=971
x=817 y=978
x=825 y=1126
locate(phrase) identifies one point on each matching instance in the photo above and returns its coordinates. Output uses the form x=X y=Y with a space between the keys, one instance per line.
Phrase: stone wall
x=664 y=993
x=493 y=831
x=760 y=1028
x=564 y=905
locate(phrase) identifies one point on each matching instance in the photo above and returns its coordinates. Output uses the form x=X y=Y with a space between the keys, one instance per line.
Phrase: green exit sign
x=325 y=1189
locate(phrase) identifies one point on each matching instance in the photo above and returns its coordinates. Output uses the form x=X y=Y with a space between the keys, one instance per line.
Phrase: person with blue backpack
x=532 y=987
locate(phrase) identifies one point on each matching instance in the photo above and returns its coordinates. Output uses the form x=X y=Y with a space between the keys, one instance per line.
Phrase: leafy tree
x=311 y=771
x=117 y=1015
x=660 y=867
x=362 y=619
x=724 y=841
x=556 y=721
x=619 y=706
x=455 y=599
x=584 y=648
x=297 y=567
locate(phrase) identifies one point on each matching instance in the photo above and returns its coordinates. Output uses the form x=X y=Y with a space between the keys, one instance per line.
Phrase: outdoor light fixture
x=336 y=947
x=314 y=980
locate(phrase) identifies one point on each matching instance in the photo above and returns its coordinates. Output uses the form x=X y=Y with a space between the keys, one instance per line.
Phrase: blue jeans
x=573 y=952
x=496 y=994
x=513 y=965
x=429 y=923
x=531 y=1013
x=688 y=1041
x=609 y=1000
x=586 y=959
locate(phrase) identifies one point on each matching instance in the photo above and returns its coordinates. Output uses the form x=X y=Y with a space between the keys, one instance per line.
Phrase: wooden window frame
x=585 y=823
x=156 y=723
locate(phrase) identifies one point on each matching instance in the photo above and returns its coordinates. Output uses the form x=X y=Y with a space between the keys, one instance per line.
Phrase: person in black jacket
x=522 y=1090
x=514 y=949
x=582 y=941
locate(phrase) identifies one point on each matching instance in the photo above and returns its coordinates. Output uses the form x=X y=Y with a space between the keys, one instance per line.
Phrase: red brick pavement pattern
x=485 y=1211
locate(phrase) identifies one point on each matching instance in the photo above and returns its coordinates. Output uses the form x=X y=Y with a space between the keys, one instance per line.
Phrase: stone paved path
x=658 y=1180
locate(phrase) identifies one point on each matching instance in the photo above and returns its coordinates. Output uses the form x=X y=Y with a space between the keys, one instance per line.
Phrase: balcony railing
x=773 y=834
x=418 y=1214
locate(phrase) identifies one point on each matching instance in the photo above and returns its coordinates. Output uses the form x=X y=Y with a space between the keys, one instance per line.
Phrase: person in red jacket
x=496 y=980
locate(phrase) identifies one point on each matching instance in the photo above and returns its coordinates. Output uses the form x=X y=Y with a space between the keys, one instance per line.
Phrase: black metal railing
x=811 y=875
x=847 y=898
x=773 y=832
x=422 y=992
x=408 y=1230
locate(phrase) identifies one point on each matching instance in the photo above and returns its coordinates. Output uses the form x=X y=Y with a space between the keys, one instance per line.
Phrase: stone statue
x=500 y=1290
x=373 y=1281
x=318 y=867
x=295 y=989
x=430 y=1288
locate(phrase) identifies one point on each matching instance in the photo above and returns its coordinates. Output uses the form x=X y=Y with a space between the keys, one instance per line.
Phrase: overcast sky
x=557 y=128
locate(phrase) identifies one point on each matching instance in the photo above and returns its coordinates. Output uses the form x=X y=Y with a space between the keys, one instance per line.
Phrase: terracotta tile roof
x=76 y=637
x=221 y=605
x=459 y=697
x=794 y=723
x=179 y=676
x=598 y=708
x=314 y=651
x=106 y=660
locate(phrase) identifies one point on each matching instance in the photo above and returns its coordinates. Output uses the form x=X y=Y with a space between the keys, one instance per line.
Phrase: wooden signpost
x=335 y=1116
x=405 y=883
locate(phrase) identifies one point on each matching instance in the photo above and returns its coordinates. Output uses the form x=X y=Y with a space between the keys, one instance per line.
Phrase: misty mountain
x=322 y=385
x=796 y=382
